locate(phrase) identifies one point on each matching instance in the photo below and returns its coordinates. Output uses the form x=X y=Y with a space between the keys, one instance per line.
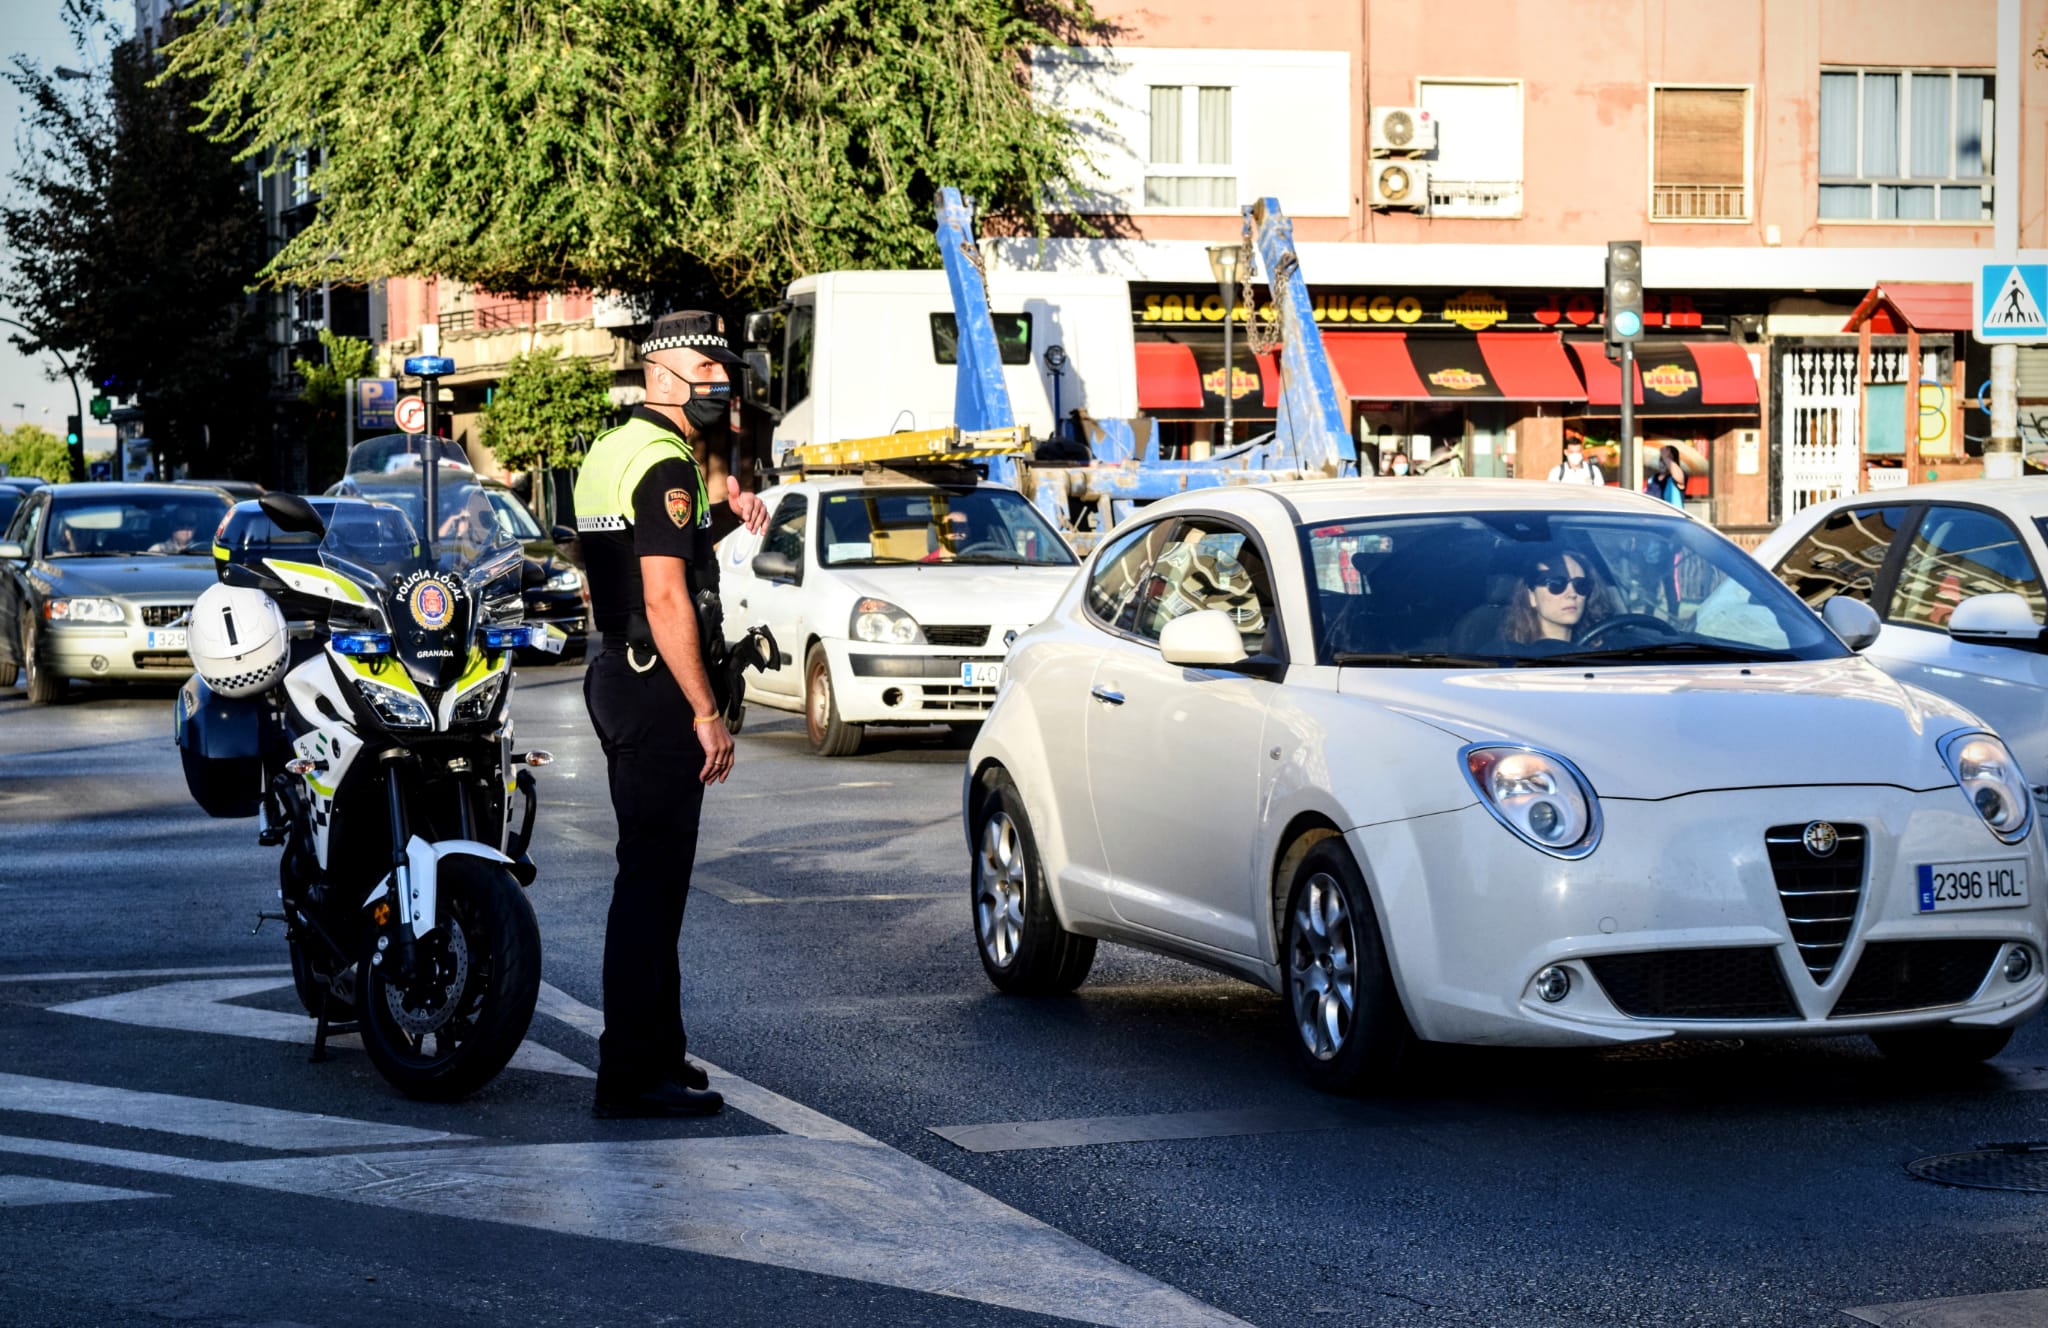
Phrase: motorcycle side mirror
x=289 y=512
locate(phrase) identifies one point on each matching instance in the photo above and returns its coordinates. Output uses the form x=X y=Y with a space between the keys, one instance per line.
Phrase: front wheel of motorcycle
x=476 y=977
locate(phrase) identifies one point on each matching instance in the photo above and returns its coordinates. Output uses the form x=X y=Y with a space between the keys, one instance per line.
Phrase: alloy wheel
x=999 y=889
x=1322 y=966
x=818 y=703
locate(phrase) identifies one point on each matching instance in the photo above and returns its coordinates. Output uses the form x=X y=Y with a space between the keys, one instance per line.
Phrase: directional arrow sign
x=2012 y=302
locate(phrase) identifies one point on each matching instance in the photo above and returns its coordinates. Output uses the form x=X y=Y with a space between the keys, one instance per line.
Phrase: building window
x=1905 y=145
x=1188 y=164
x=302 y=179
x=1699 y=170
x=1477 y=169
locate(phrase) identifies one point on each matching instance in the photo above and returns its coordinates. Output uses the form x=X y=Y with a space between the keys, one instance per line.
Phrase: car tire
x=1023 y=948
x=1343 y=1015
x=43 y=686
x=1947 y=1048
x=829 y=734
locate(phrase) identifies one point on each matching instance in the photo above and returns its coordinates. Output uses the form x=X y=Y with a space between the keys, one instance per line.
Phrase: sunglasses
x=1582 y=585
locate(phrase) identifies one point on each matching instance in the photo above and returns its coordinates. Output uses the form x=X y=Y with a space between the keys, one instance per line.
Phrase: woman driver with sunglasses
x=1554 y=601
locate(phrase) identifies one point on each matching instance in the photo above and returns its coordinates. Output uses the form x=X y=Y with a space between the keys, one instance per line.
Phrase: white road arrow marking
x=25 y=1191
x=204 y=1118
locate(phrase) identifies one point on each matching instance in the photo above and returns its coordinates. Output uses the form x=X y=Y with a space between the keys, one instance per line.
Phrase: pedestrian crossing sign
x=2012 y=302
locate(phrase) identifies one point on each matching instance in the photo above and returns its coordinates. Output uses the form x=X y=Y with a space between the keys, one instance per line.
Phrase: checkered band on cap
x=691 y=330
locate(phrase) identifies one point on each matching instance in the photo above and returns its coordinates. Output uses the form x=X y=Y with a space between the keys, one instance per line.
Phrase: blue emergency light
x=429 y=366
x=512 y=638
x=362 y=643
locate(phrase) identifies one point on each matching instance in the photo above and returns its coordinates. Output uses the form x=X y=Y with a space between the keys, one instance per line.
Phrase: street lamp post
x=77 y=401
x=1223 y=263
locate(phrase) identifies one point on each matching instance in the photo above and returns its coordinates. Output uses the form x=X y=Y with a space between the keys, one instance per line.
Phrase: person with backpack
x=1575 y=469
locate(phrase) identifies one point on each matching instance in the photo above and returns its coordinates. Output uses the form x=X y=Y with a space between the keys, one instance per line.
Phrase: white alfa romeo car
x=1497 y=762
x=892 y=599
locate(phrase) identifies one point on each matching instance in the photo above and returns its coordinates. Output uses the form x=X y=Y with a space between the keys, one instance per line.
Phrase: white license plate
x=167 y=640
x=981 y=675
x=1952 y=887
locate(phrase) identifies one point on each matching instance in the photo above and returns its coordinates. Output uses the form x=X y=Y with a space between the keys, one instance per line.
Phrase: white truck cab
x=893 y=596
x=862 y=354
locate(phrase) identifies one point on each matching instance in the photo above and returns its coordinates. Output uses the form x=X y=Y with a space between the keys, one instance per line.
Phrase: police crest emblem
x=678 y=501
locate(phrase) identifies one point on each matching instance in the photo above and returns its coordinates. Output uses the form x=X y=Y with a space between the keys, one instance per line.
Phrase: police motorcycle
x=353 y=688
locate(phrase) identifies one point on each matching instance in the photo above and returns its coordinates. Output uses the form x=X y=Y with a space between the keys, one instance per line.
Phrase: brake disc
x=427 y=1004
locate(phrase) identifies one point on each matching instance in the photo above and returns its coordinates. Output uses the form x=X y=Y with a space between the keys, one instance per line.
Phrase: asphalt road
x=167 y=1154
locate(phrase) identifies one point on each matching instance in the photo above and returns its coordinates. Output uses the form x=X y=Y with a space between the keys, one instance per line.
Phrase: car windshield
x=869 y=527
x=512 y=513
x=1507 y=589
x=170 y=523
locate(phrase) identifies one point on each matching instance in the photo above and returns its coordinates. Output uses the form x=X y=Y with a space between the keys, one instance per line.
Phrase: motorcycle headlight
x=1991 y=780
x=81 y=609
x=475 y=706
x=1539 y=796
x=883 y=623
x=397 y=709
x=566 y=579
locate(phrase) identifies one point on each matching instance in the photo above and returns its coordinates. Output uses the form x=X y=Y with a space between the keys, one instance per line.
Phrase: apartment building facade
x=1455 y=170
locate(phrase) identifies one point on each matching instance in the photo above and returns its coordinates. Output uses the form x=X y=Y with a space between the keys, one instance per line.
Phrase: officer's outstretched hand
x=747 y=507
x=718 y=751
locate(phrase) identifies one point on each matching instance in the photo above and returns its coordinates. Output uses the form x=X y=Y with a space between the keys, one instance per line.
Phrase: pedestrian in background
x=1575 y=469
x=647 y=525
x=1397 y=464
x=1667 y=478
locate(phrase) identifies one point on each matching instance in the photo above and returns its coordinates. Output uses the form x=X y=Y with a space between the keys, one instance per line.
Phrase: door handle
x=1105 y=695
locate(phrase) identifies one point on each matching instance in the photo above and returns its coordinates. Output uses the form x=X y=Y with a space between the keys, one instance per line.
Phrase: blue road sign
x=376 y=399
x=100 y=470
x=429 y=366
x=2012 y=302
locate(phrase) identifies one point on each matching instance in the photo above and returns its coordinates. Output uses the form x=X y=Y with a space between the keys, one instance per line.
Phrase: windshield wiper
x=868 y=562
x=1426 y=659
x=995 y=559
x=1703 y=651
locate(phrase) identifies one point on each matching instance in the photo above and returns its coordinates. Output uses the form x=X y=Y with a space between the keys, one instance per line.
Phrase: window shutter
x=1699 y=136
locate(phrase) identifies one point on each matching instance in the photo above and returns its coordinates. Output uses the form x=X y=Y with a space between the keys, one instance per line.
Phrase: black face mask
x=707 y=414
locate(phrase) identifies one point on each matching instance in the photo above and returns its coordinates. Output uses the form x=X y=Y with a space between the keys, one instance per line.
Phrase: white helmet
x=239 y=640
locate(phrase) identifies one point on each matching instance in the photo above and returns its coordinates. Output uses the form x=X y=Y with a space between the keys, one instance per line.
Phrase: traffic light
x=74 y=439
x=1624 y=312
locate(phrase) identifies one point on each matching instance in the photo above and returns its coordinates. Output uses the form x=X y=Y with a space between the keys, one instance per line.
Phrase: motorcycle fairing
x=417 y=885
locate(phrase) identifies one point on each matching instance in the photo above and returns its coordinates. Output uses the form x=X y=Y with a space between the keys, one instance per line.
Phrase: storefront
x=1696 y=394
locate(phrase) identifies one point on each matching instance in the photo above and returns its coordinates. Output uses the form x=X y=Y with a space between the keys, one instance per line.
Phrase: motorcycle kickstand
x=324 y=1028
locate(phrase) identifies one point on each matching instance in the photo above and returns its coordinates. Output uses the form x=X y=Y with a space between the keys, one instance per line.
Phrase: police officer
x=647 y=525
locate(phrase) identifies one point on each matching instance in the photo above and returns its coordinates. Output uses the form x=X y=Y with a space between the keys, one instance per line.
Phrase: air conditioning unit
x=1400 y=129
x=1400 y=184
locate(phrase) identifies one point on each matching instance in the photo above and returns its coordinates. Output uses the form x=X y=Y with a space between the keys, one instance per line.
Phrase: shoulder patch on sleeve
x=678 y=501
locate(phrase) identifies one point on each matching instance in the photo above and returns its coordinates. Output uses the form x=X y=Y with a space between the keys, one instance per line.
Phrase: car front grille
x=164 y=615
x=1744 y=983
x=968 y=700
x=163 y=659
x=1915 y=975
x=957 y=637
x=1819 y=894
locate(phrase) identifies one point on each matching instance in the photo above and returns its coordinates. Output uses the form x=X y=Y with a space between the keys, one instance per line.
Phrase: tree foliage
x=546 y=410
x=132 y=248
x=635 y=144
x=30 y=449
x=325 y=395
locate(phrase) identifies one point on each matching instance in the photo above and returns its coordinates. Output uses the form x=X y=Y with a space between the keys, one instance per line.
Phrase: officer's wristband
x=709 y=719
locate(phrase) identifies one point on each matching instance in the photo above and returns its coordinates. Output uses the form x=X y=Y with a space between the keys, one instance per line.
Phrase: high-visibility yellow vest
x=618 y=461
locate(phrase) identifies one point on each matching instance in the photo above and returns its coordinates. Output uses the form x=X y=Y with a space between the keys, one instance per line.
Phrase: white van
x=863 y=354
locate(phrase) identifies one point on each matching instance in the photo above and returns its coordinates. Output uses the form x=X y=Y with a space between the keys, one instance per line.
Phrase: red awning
x=1602 y=376
x=1269 y=377
x=1374 y=366
x=1167 y=377
x=1531 y=366
x=1926 y=306
x=1727 y=378
x=1686 y=377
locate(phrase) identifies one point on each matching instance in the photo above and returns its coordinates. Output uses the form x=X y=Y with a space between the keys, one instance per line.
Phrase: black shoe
x=665 y=1099
x=691 y=1075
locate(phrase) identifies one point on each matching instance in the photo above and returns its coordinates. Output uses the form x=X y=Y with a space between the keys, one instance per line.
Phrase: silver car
x=97 y=582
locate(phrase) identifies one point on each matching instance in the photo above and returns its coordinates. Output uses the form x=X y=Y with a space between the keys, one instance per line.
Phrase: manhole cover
x=1993 y=1167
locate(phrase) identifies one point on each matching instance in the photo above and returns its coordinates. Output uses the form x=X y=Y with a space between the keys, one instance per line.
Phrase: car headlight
x=880 y=621
x=398 y=709
x=475 y=706
x=566 y=579
x=81 y=609
x=1540 y=796
x=1991 y=780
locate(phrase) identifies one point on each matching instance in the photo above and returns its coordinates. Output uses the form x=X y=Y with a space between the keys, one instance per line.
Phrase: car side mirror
x=759 y=328
x=774 y=566
x=1204 y=639
x=759 y=377
x=1852 y=620
x=288 y=511
x=2001 y=619
x=12 y=552
x=563 y=534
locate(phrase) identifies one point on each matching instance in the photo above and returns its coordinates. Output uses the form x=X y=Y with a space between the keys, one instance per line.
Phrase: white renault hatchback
x=1496 y=762
x=892 y=598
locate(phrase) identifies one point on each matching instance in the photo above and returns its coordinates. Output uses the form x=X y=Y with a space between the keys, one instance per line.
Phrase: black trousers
x=652 y=759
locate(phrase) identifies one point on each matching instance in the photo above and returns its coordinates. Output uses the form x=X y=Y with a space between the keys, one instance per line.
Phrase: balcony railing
x=1475 y=198
x=1699 y=202
x=487 y=317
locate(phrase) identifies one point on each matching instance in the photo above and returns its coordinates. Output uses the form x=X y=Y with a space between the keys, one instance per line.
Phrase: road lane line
x=1999 y=1309
x=27 y=1191
x=205 y=1118
x=115 y=974
x=843 y=899
x=201 y=1007
x=1009 y=1136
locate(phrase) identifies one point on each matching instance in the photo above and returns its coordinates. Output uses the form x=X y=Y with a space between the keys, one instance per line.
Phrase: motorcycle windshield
x=434 y=581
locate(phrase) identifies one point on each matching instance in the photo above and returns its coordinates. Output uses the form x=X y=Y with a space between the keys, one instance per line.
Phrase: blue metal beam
x=981 y=399
x=1310 y=429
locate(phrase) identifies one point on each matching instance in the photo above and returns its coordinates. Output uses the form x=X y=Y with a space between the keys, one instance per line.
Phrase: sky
x=35 y=28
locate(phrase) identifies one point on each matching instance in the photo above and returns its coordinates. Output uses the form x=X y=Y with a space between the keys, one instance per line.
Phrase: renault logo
x=1009 y=639
x=1820 y=839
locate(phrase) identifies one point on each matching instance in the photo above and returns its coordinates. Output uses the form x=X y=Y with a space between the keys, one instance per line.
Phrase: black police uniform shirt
x=667 y=521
